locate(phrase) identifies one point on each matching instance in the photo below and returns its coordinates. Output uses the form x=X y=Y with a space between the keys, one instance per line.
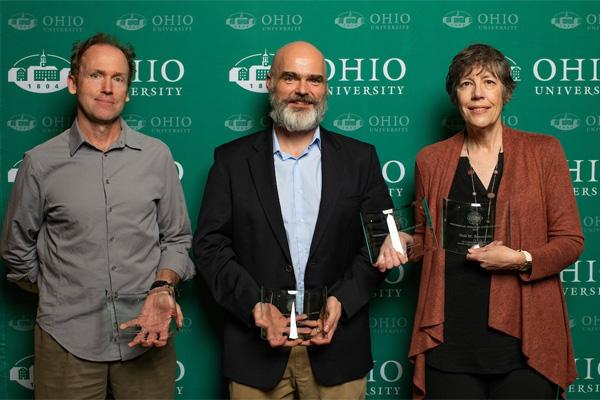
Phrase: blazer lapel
x=332 y=172
x=262 y=170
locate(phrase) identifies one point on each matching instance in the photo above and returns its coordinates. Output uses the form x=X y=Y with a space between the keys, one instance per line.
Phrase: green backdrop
x=200 y=76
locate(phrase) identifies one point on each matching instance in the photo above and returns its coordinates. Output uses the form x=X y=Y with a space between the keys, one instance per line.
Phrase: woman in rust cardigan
x=493 y=323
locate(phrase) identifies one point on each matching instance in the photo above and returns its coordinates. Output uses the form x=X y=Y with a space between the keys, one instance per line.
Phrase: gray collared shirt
x=91 y=227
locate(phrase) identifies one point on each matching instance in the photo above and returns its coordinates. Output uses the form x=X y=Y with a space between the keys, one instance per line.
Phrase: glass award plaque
x=378 y=225
x=467 y=225
x=124 y=307
x=297 y=306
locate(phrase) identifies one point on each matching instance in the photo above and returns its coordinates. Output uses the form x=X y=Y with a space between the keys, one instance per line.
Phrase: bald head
x=300 y=53
x=297 y=86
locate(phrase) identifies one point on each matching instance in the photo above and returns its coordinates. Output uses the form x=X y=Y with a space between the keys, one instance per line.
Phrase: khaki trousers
x=298 y=382
x=58 y=374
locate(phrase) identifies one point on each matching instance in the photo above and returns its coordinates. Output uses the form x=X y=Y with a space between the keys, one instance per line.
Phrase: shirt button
x=107 y=181
x=109 y=209
x=114 y=267
x=112 y=239
x=289 y=268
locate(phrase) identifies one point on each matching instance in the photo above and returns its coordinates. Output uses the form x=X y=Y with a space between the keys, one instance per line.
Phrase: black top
x=470 y=345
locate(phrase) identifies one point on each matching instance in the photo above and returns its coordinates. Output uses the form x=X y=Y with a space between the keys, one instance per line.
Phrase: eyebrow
x=102 y=72
x=316 y=77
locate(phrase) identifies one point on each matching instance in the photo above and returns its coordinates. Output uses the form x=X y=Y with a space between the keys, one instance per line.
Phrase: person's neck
x=293 y=143
x=100 y=136
x=486 y=139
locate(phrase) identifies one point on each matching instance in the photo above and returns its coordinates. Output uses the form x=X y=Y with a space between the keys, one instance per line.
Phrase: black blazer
x=240 y=244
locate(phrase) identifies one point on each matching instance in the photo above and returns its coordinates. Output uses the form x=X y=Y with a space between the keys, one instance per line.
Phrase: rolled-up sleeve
x=174 y=225
x=23 y=221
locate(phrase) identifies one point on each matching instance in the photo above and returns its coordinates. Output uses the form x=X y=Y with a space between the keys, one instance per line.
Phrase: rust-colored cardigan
x=544 y=221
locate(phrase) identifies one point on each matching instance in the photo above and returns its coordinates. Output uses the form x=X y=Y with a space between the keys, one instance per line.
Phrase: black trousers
x=523 y=383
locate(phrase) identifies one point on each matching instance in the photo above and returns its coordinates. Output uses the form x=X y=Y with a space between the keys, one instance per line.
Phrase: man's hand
x=323 y=333
x=276 y=326
x=496 y=257
x=154 y=319
x=388 y=256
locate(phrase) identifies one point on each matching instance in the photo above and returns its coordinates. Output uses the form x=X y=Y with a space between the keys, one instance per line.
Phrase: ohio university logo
x=40 y=73
x=135 y=121
x=515 y=70
x=373 y=76
x=241 y=21
x=239 y=123
x=22 y=372
x=348 y=122
x=566 y=20
x=131 y=22
x=21 y=122
x=250 y=72
x=565 y=121
x=350 y=20
x=22 y=21
x=457 y=19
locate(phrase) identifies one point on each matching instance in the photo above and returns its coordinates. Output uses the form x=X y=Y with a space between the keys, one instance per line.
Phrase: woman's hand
x=497 y=257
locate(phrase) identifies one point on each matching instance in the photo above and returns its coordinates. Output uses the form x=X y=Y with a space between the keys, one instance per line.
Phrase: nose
x=477 y=91
x=107 y=85
x=302 y=87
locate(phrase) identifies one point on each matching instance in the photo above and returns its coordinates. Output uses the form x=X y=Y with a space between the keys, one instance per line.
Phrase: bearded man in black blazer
x=281 y=210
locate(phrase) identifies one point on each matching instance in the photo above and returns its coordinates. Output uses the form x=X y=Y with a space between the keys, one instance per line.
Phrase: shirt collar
x=128 y=137
x=316 y=141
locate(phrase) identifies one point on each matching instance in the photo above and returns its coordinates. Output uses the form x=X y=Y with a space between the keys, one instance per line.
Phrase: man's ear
x=269 y=81
x=71 y=84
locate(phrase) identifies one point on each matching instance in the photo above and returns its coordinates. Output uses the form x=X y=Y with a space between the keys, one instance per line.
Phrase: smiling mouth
x=479 y=109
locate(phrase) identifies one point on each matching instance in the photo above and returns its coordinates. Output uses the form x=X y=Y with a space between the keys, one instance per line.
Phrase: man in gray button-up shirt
x=97 y=217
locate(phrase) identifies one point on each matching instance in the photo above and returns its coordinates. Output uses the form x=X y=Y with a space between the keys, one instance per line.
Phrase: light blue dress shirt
x=299 y=188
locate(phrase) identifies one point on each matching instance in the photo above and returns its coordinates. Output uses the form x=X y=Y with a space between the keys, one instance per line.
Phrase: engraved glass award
x=467 y=225
x=297 y=306
x=125 y=307
x=378 y=225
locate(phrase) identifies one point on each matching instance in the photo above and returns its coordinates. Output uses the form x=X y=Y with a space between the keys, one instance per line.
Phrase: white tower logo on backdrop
x=515 y=70
x=241 y=21
x=239 y=123
x=350 y=20
x=22 y=21
x=565 y=121
x=250 y=72
x=131 y=22
x=21 y=122
x=348 y=122
x=22 y=372
x=566 y=20
x=40 y=73
x=457 y=19
x=135 y=121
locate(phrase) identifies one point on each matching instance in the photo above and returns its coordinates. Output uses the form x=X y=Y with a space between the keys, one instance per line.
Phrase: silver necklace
x=491 y=195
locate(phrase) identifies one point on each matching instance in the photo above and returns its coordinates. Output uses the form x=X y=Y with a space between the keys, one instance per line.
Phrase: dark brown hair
x=80 y=47
x=480 y=56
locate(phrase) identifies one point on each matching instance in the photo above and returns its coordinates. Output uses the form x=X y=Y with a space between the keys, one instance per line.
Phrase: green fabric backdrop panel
x=200 y=83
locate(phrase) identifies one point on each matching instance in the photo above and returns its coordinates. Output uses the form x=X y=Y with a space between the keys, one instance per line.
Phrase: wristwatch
x=525 y=266
x=158 y=284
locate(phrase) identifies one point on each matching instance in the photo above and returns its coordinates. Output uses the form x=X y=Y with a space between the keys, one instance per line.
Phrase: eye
x=315 y=80
x=490 y=82
x=464 y=84
x=287 y=78
x=94 y=75
x=119 y=79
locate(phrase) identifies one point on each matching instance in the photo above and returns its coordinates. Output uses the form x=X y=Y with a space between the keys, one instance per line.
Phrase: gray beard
x=296 y=121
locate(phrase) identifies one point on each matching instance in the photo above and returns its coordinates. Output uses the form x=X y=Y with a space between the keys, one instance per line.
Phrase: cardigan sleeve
x=564 y=237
